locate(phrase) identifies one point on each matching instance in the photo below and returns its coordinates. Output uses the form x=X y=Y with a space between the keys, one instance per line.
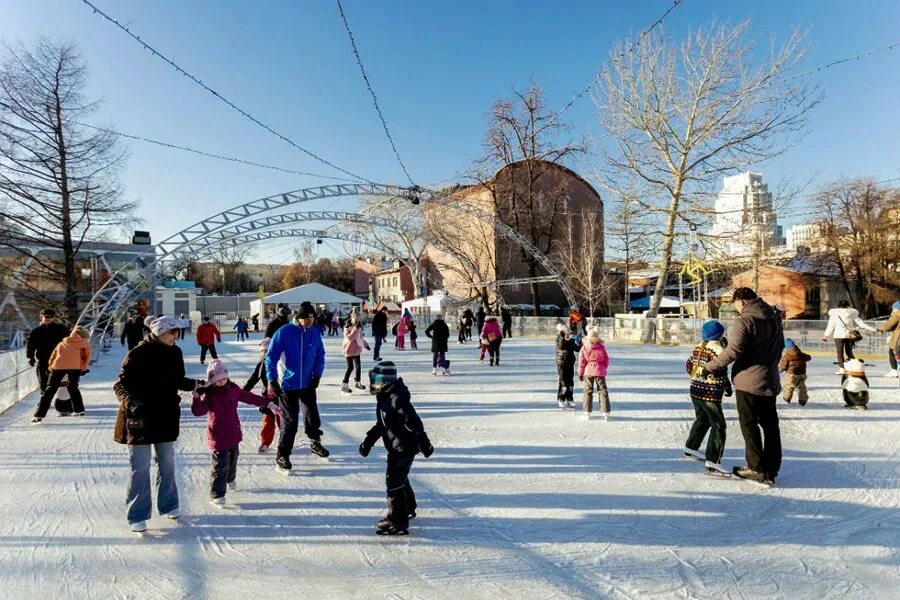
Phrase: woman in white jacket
x=841 y=321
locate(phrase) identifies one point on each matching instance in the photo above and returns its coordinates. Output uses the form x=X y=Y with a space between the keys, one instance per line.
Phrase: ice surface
x=520 y=500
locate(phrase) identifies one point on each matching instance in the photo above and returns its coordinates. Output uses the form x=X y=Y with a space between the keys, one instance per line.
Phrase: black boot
x=284 y=463
x=318 y=449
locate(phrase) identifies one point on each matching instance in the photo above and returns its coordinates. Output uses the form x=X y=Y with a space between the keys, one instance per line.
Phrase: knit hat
x=216 y=372
x=561 y=328
x=896 y=305
x=306 y=310
x=789 y=343
x=48 y=312
x=593 y=332
x=438 y=317
x=383 y=373
x=712 y=330
x=161 y=324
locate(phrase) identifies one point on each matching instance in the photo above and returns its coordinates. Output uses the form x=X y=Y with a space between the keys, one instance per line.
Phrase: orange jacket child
x=71 y=354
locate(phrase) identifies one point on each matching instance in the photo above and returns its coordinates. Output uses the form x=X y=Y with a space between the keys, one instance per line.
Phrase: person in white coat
x=843 y=321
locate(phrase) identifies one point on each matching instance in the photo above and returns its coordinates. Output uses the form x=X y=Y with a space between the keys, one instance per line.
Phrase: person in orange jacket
x=70 y=359
x=207 y=336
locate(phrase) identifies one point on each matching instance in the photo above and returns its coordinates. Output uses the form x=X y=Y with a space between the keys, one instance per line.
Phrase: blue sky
x=436 y=66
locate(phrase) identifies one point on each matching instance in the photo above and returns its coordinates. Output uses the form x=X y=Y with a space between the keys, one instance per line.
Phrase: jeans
x=138 y=500
x=353 y=362
x=379 y=339
x=843 y=346
x=438 y=359
x=212 y=352
x=762 y=450
x=292 y=402
x=56 y=378
x=224 y=470
x=708 y=416
x=587 y=399
x=400 y=496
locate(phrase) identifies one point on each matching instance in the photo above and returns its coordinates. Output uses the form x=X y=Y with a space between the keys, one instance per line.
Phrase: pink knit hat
x=216 y=372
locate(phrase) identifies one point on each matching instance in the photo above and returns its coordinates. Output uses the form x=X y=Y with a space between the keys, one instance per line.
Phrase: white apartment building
x=744 y=217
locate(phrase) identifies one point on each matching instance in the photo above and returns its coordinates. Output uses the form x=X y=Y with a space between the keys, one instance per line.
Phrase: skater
x=460 y=330
x=706 y=396
x=892 y=325
x=855 y=385
x=506 y=318
x=793 y=365
x=255 y=320
x=42 y=341
x=379 y=331
x=70 y=360
x=282 y=318
x=304 y=363
x=184 y=324
x=149 y=412
x=440 y=335
x=468 y=320
x=576 y=324
x=401 y=328
x=844 y=325
x=403 y=435
x=219 y=399
x=336 y=321
x=207 y=336
x=593 y=363
x=755 y=344
x=352 y=348
x=133 y=331
x=413 y=335
x=566 y=348
x=480 y=317
x=270 y=419
x=490 y=332
x=242 y=328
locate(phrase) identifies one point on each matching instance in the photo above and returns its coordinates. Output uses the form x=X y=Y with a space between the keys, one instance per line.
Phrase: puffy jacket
x=841 y=320
x=565 y=350
x=892 y=325
x=72 y=354
x=223 y=426
x=402 y=326
x=793 y=361
x=396 y=421
x=304 y=356
x=147 y=390
x=354 y=341
x=439 y=334
x=207 y=334
x=43 y=339
x=593 y=361
x=755 y=344
x=491 y=330
x=379 y=324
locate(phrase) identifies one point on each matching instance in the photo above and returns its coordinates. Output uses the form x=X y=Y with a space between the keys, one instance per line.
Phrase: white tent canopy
x=315 y=293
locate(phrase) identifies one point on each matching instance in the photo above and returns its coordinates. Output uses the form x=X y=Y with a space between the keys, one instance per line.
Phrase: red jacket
x=208 y=333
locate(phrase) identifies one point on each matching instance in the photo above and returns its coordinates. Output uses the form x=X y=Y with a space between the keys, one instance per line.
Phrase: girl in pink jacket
x=491 y=337
x=593 y=361
x=402 y=328
x=353 y=345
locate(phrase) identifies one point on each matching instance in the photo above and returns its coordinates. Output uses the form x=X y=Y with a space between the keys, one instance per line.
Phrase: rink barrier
x=17 y=378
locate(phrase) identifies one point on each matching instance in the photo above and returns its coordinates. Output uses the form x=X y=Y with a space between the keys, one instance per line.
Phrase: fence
x=17 y=378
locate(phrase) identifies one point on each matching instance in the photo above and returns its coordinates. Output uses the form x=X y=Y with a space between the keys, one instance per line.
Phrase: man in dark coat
x=755 y=344
x=133 y=331
x=282 y=318
x=379 y=331
x=468 y=319
x=479 y=319
x=506 y=317
x=439 y=334
x=42 y=341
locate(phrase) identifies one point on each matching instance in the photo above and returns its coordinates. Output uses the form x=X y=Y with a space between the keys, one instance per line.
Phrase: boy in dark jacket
x=403 y=434
x=793 y=364
x=566 y=347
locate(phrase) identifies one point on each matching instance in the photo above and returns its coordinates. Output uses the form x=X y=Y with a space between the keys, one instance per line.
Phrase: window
x=395 y=282
x=813 y=307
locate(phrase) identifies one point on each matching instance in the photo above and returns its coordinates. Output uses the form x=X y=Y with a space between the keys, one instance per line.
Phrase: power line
x=365 y=77
x=219 y=96
x=843 y=60
x=210 y=154
x=630 y=48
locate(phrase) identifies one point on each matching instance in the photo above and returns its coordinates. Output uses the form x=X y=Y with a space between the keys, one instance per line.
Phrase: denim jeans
x=139 y=502
x=379 y=339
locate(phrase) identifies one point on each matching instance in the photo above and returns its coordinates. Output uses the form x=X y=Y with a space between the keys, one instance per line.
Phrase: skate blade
x=392 y=533
x=717 y=474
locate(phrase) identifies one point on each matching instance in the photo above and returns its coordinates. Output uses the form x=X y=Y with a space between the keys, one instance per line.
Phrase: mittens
x=313 y=382
x=425 y=445
x=364 y=449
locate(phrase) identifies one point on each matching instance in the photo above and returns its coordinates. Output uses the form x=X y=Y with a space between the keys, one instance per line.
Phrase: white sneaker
x=232 y=486
x=218 y=502
x=892 y=373
x=173 y=514
x=139 y=527
x=434 y=371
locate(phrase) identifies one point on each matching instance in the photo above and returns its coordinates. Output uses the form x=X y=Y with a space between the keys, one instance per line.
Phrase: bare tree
x=227 y=259
x=681 y=116
x=524 y=135
x=58 y=179
x=631 y=240
x=580 y=251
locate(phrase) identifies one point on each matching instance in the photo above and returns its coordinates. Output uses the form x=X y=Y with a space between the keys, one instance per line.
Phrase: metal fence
x=17 y=378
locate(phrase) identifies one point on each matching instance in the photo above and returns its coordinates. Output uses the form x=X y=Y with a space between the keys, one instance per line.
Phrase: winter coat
x=274 y=325
x=223 y=426
x=71 y=354
x=793 y=361
x=439 y=334
x=468 y=317
x=207 y=334
x=480 y=318
x=565 y=350
x=593 y=361
x=354 y=341
x=379 y=324
x=842 y=320
x=133 y=331
x=241 y=326
x=755 y=344
x=402 y=327
x=491 y=330
x=505 y=316
x=304 y=356
x=396 y=421
x=43 y=339
x=892 y=325
x=147 y=390
x=712 y=387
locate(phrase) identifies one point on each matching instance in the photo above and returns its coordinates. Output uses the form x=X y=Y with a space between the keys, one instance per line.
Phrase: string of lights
x=631 y=48
x=365 y=77
x=841 y=61
x=219 y=96
x=210 y=154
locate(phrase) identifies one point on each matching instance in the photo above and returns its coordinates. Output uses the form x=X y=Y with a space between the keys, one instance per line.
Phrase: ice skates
x=345 y=389
x=716 y=470
x=570 y=404
x=218 y=502
x=694 y=455
x=284 y=464
x=385 y=527
x=318 y=449
x=139 y=527
x=263 y=448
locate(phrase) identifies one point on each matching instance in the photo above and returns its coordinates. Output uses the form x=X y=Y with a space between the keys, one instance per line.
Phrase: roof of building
x=312 y=292
x=563 y=168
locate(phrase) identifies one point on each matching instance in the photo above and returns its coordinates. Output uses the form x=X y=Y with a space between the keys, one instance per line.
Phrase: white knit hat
x=561 y=328
x=162 y=324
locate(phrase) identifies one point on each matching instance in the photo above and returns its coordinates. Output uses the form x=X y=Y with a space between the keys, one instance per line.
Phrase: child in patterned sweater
x=706 y=396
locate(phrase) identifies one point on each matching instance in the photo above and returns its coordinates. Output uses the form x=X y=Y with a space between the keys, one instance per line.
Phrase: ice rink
x=520 y=500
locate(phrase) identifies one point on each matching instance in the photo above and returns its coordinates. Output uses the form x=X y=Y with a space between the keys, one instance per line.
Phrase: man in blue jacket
x=304 y=363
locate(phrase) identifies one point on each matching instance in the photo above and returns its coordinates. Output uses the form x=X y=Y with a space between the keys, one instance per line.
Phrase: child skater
x=219 y=399
x=352 y=349
x=793 y=364
x=270 y=419
x=593 y=362
x=706 y=396
x=403 y=434
x=566 y=348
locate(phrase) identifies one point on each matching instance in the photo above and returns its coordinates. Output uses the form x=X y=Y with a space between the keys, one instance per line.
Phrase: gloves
x=729 y=391
x=274 y=389
x=313 y=382
x=31 y=362
x=364 y=449
x=274 y=408
x=704 y=373
x=85 y=372
x=425 y=446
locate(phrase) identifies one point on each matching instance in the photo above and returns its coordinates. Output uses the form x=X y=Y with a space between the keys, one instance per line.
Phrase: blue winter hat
x=896 y=305
x=712 y=330
x=789 y=343
x=383 y=373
